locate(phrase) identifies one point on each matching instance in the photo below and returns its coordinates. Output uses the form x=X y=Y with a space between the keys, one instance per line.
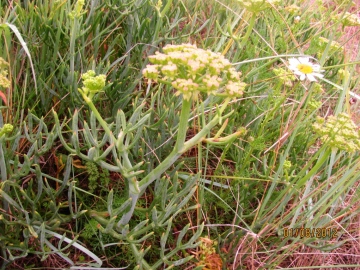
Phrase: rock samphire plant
x=194 y=73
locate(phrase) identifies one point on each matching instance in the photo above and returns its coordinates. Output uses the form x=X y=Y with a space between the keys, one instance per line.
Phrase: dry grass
x=251 y=254
x=348 y=252
x=352 y=36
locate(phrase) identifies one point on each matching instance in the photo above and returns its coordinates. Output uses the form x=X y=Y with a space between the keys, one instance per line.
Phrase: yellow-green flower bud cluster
x=284 y=76
x=78 y=8
x=191 y=70
x=7 y=128
x=343 y=74
x=293 y=9
x=348 y=19
x=287 y=164
x=256 y=6
x=4 y=81
x=207 y=247
x=339 y=132
x=314 y=104
x=92 y=84
x=323 y=42
x=351 y=19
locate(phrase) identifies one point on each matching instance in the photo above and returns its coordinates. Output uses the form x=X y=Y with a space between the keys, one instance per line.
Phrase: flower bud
x=92 y=84
x=6 y=129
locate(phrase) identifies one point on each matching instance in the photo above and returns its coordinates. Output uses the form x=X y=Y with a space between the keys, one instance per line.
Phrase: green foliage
x=90 y=229
x=98 y=177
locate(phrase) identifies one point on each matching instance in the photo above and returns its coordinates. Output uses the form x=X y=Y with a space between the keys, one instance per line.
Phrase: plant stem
x=176 y=153
x=98 y=117
x=183 y=125
x=134 y=191
x=137 y=188
x=180 y=147
x=74 y=32
x=139 y=258
x=249 y=30
x=332 y=161
x=3 y=171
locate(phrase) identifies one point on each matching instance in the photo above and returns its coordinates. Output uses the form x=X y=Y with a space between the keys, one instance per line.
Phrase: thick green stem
x=249 y=30
x=73 y=37
x=181 y=146
x=176 y=153
x=183 y=124
x=3 y=173
x=98 y=117
x=332 y=161
x=134 y=194
x=137 y=188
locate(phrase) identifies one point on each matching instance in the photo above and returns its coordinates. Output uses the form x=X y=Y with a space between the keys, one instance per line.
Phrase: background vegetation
x=218 y=206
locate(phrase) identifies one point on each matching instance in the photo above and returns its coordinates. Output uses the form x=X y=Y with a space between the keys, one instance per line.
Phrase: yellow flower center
x=304 y=68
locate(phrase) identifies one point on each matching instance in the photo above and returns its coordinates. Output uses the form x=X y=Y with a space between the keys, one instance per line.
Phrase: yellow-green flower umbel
x=339 y=132
x=6 y=129
x=78 y=9
x=255 y=6
x=293 y=9
x=348 y=19
x=191 y=70
x=284 y=76
x=92 y=84
x=4 y=81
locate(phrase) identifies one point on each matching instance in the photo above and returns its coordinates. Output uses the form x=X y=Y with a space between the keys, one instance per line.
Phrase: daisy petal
x=311 y=77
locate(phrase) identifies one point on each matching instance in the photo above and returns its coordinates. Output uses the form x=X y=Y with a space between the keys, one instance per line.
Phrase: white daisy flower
x=303 y=68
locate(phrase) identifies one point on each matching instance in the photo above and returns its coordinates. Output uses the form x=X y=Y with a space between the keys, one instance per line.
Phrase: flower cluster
x=92 y=84
x=78 y=9
x=256 y=6
x=314 y=104
x=6 y=129
x=191 y=70
x=284 y=76
x=334 y=46
x=209 y=259
x=339 y=131
x=320 y=44
x=293 y=9
x=4 y=81
x=343 y=74
x=348 y=19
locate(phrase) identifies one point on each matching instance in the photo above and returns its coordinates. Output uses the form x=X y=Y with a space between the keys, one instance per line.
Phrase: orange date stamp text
x=310 y=232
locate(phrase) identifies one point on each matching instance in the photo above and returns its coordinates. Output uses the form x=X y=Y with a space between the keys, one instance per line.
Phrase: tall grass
x=68 y=182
